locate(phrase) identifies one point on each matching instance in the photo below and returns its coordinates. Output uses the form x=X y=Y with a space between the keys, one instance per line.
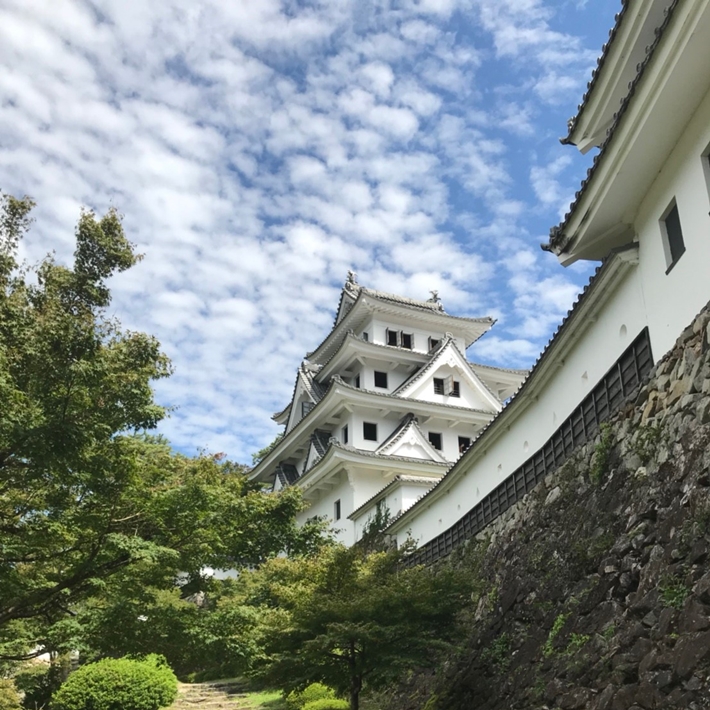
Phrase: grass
x=264 y=700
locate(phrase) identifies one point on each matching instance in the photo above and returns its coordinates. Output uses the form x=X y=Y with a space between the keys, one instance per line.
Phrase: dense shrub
x=327 y=704
x=118 y=684
x=315 y=691
x=9 y=699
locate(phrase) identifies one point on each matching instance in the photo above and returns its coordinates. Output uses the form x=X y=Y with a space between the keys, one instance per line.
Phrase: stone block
x=689 y=652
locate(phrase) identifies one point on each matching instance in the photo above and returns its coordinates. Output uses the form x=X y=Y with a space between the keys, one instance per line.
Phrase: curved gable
x=447 y=374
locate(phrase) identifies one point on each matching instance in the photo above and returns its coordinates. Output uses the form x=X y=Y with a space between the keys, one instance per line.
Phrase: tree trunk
x=355 y=679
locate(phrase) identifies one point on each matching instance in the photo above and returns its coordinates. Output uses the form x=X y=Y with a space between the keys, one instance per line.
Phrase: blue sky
x=261 y=148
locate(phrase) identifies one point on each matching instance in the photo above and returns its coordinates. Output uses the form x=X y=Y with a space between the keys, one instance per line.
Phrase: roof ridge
x=558 y=240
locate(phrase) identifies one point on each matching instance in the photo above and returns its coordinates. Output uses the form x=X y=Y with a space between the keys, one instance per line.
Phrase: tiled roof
x=601 y=60
x=287 y=474
x=511 y=370
x=404 y=400
x=558 y=239
x=384 y=457
x=399 y=430
x=320 y=440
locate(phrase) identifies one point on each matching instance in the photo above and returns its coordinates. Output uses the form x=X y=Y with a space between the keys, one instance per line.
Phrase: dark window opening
x=381 y=379
x=464 y=443
x=369 y=431
x=675 y=246
x=306 y=407
x=345 y=434
x=392 y=337
x=433 y=343
x=357 y=381
x=407 y=340
x=455 y=389
x=438 y=385
x=365 y=337
x=435 y=440
x=336 y=510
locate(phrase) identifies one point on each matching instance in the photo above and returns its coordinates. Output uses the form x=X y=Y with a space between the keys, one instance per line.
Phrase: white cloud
x=260 y=149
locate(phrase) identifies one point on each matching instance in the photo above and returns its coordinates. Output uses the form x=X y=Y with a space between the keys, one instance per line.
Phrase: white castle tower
x=383 y=407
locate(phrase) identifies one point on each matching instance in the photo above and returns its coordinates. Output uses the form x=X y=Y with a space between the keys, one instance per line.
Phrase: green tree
x=357 y=619
x=85 y=497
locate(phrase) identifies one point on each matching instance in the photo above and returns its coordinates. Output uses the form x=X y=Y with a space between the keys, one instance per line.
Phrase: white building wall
x=353 y=489
x=471 y=398
x=377 y=331
x=674 y=299
x=620 y=321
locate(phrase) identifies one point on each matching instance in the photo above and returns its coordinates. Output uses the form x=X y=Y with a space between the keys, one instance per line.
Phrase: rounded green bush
x=118 y=684
x=327 y=704
x=315 y=691
x=9 y=699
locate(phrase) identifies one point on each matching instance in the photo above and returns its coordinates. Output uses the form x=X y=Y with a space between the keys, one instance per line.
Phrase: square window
x=464 y=443
x=438 y=385
x=392 y=337
x=369 y=431
x=435 y=440
x=381 y=379
x=336 y=510
x=433 y=343
x=673 y=243
x=455 y=389
x=407 y=340
x=345 y=434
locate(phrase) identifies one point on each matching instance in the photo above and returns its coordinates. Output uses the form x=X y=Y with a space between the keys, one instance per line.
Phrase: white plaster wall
x=591 y=357
x=324 y=505
x=353 y=490
x=398 y=499
x=384 y=428
x=377 y=329
x=674 y=299
x=471 y=398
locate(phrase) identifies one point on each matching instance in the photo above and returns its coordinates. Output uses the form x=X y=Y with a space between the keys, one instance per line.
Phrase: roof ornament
x=435 y=299
x=351 y=284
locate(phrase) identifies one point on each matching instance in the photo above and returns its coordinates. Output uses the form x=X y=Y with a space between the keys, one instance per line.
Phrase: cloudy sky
x=261 y=148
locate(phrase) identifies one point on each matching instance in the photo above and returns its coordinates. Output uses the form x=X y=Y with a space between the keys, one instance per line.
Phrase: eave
x=338 y=455
x=366 y=305
x=353 y=347
x=343 y=396
x=633 y=32
x=670 y=85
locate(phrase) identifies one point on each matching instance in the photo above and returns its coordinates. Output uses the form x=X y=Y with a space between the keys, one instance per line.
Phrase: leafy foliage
x=327 y=704
x=315 y=691
x=90 y=507
x=9 y=699
x=351 y=618
x=118 y=684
